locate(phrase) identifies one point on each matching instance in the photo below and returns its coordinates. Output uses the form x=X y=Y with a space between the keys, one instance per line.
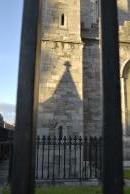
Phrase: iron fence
x=6 y=141
x=4 y=150
x=62 y=159
x=68 y=158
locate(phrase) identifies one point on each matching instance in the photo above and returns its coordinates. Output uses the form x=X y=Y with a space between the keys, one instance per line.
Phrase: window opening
x=60 y=131
x=62 y=20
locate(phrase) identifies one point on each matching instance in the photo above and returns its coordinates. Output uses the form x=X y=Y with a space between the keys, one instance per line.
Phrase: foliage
x=4 y=191
x=127 y=190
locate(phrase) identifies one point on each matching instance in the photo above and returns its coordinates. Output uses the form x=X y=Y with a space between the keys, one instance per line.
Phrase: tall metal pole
x=23 y=179
x=112 y=128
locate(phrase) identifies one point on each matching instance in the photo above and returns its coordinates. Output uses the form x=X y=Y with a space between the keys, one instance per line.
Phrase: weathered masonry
x=61 y=78
x=23 y=179
x=70 y=79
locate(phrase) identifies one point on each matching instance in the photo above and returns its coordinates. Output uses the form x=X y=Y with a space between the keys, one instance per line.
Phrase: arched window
x=126 y=78
x=62 y=19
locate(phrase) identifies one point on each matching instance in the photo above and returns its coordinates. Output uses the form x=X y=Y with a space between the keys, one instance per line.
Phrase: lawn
x=127 y=174
x=69 y=190
x=72 y=190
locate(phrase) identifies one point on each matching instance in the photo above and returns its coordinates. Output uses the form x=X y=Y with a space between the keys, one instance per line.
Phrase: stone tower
x=91 y=67
x=70 y=98
x=90 y=34
x=61 y=72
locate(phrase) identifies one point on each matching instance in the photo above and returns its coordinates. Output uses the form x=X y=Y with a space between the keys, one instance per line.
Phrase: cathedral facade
x=70 y=90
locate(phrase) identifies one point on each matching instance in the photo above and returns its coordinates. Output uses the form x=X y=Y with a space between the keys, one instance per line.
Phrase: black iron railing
x=6 y=137
x=4 y=150
x=63 y=159
x=68 y=158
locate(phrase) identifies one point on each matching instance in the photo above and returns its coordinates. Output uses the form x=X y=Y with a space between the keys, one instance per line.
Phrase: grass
x=72 y=189
x=69 y=190
x=127 y=174
x=4 y=191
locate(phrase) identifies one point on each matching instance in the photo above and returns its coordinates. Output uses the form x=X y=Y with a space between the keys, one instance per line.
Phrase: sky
x=10 y=32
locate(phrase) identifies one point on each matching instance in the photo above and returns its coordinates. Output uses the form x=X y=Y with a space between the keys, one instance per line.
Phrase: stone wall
x=90 y=33
x=92 y=89
x=61 y=88
x=60 y=92
x=124 y=32
x=71 y=77
x=52 y=13
x=89 y=13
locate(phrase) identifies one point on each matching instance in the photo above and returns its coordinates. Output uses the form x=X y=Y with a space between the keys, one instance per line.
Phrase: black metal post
x=80 y=158
x=37 y=156
x=54 y=148
x=65 y=144
x=24 y=146
x=75 y=156
x=59 y=162
x=112 y=128
x=43 y=150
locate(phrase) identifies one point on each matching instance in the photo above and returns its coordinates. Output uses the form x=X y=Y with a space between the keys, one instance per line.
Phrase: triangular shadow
x=64 y=106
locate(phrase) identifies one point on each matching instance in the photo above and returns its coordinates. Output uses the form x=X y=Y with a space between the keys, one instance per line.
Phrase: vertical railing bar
x=48 y=144
x=54 y=144
x=80 y=145
x=75 y=143
x=37 y=157
x=43 y=147
x=112 y=124
x=64 y=143
x=59 y=162
x=85 y=154
x=96 y=152
x=70 y=141
x=90 y=157
x=101 y=158
x=98 y=164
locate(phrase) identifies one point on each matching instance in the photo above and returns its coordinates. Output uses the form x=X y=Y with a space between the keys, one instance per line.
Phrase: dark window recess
x=62 y=20
x=60 y=131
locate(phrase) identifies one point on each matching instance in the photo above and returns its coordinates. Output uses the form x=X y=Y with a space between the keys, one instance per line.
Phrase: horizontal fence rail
x=68 y=158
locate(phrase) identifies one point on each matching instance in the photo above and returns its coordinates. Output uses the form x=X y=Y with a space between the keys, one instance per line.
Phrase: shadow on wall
x=64 y=108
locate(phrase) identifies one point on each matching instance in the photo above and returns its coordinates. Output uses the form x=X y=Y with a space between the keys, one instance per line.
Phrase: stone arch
x=124 y=66
x=125 y=94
